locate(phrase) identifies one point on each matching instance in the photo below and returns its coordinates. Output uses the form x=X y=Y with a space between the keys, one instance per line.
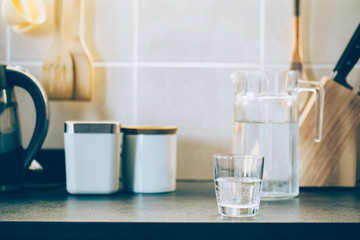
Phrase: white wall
x=167 y=62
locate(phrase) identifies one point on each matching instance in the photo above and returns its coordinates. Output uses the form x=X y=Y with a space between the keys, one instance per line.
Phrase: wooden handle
x=296 y=62
x=77 y=19
x=58 y=15
x=84 y=79
x=296 y=56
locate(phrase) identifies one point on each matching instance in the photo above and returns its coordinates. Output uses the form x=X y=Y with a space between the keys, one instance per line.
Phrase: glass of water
x=238 y=181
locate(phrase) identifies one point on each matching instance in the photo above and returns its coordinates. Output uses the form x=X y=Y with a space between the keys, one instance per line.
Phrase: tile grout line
x=172 y=64
x=198 y=64
x=262 y=34
x=8 y=45
x=135 y=62
x=175 y=64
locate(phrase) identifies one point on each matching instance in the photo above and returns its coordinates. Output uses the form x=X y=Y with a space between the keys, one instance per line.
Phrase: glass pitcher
x=266 y=122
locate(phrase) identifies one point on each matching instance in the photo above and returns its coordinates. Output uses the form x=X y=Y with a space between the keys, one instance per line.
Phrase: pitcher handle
x=22 y=78
x=318 y=89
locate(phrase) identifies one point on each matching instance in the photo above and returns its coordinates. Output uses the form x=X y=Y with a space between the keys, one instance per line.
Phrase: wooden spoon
x=81 y=56
x=58 y=74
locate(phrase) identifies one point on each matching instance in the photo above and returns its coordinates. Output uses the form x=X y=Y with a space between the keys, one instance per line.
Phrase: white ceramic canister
x=149 y=159
x=92 y=157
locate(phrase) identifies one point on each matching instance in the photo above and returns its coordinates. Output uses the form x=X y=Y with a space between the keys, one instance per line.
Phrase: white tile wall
x=199 y=30
x=329 y=24
x=169 y=61
x=109 y=29
x=3 y=41
x=278 y=31
x=198 y=101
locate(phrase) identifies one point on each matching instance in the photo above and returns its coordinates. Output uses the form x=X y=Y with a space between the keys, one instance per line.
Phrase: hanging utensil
x=58 y=74
x=296 y=63
x=23 y=15
x=81 y=56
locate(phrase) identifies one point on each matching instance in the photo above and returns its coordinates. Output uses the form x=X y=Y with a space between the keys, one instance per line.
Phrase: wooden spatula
x=81 y=56
x=296 y=63
x=58 y=74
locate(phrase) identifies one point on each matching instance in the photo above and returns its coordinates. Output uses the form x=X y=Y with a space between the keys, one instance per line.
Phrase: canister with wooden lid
x=149 y=159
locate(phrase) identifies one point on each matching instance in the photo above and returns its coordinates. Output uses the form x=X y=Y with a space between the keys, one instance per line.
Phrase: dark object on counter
x=348 y=60
x=52 y=171
x=13 y=159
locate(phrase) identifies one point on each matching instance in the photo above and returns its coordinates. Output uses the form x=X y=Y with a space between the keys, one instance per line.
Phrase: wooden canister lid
x=148 y=129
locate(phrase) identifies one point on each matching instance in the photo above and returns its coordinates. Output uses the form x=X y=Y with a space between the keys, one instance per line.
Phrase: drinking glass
x=238 y=182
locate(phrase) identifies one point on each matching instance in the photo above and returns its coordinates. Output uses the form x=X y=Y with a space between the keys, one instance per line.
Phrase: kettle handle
x=20 y=77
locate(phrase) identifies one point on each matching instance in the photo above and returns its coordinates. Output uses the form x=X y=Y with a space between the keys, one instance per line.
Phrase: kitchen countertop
x=188 y=213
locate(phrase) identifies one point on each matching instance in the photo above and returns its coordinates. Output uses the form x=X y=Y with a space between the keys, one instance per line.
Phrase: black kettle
x=14 y=160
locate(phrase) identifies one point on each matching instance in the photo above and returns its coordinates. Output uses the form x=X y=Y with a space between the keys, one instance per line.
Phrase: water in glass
x=238 y=196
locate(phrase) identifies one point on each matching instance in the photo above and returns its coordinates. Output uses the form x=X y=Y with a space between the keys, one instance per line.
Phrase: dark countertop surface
x=188 y=213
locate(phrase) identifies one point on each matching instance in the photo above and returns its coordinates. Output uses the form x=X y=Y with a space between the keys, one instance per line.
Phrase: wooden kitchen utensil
x=58 y=74
x=332 y=162
x=297 y=53
x=81 y=56
x=23 y=15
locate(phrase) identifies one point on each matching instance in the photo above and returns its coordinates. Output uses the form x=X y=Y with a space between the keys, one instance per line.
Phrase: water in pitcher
x=276 y=137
